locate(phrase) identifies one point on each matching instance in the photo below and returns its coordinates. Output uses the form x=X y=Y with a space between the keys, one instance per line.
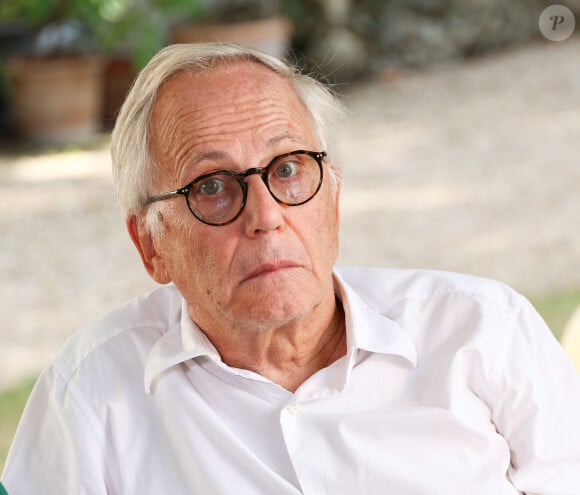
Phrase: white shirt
x=450 y=385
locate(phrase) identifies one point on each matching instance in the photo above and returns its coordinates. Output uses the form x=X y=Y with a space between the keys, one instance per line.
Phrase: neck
x=289 y=353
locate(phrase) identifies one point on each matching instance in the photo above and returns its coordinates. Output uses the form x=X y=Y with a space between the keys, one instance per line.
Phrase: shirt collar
x=181 y=342
x=370 y=330
x=366 y=328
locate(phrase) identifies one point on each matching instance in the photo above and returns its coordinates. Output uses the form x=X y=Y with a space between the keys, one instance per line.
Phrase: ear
x=144 y=242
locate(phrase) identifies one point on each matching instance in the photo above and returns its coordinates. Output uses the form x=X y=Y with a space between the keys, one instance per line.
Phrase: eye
x=211 y=186
x=286 y=169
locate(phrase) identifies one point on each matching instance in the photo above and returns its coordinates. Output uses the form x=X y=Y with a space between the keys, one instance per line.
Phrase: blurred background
x=459 y=148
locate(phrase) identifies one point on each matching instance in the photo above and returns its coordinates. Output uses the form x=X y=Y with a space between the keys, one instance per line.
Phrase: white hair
x=133 y=169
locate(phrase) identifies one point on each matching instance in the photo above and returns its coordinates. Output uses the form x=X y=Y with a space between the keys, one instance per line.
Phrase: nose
x=262 y=212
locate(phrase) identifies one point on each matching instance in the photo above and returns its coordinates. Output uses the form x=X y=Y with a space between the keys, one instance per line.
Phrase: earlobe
x=143 y=240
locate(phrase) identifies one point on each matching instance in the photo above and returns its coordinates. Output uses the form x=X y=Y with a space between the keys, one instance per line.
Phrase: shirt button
x=293 y=409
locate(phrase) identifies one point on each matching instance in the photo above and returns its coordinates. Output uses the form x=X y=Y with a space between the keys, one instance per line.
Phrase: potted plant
x=56 y=79
x=256 y=23
x=137 y=30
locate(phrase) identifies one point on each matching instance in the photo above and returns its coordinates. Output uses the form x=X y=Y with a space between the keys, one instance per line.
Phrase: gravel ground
x=469 y=167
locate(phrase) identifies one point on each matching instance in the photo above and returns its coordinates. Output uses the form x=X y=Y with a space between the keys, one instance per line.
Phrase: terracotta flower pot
x=271 y=35
x=118 y=75
x=56 y=100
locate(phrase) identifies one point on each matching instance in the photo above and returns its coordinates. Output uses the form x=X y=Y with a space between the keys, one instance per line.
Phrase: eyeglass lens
x=219 y=198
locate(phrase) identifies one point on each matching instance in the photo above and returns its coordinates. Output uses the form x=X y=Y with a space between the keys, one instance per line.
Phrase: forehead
x=224 y=80
x=226 y=101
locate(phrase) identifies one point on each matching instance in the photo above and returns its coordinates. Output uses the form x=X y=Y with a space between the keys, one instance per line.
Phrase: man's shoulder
x=157 y=308
x=136 y=324
x=385 y=287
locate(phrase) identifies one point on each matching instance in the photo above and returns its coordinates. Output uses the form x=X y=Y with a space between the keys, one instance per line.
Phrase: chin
x=274 y=306
x=272 y=312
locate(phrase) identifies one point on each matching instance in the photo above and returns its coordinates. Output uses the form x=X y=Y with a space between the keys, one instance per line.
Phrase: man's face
x=274 y=263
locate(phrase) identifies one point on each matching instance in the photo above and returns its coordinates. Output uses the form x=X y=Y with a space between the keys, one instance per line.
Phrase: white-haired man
x=256 y=368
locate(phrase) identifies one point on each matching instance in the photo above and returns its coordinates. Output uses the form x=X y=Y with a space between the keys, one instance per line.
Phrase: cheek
x=208 y=264
x=191 y=258
x=323 y=234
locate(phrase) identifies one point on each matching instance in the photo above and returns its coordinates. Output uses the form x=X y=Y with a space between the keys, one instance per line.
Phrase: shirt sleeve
x=536 y=406
x=57 y=449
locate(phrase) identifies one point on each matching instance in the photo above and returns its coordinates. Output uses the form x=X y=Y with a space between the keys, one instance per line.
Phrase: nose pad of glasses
x=264 y=176
x=262 y=210
x=260 y=192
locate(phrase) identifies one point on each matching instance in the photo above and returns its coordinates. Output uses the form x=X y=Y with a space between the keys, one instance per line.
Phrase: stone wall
x=354 y=37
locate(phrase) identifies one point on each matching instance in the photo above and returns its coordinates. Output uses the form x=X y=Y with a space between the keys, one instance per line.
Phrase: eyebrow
x=199 y=157
x=285 y=136
x=219 y=155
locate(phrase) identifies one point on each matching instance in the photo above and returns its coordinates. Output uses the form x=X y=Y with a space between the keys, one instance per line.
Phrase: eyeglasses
x=218 y=198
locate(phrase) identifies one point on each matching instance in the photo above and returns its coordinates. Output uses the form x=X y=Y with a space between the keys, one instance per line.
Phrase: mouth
x=270 y=268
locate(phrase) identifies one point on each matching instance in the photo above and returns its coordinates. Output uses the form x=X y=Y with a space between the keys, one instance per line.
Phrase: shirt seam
x=496 y=371
x=76 y=394
x=505 y=305
x=510 y=306
x=93 y=421
x=61 y=364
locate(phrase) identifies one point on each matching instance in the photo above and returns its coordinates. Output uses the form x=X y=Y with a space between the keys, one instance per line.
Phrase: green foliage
x=42 y=12
x=131 y=28
x=134 y=26
x=141 y=25
x=191 y=9
x=30 y=10
x=11 y=405
x=557 y=308
x=96 y=12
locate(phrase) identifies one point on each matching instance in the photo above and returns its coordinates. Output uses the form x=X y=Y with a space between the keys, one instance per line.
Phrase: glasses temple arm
x=165 y=195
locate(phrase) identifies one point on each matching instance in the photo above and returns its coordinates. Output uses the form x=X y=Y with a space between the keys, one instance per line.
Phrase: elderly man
x=256 y=368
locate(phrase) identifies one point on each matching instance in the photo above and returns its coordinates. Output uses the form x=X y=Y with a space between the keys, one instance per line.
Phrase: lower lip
x=268 y=273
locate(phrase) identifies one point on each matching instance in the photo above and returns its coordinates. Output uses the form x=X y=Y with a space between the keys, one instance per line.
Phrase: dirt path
x=468 y=168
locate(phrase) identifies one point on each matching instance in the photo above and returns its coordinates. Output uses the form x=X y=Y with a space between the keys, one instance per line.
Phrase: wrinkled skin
x=261 y=287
